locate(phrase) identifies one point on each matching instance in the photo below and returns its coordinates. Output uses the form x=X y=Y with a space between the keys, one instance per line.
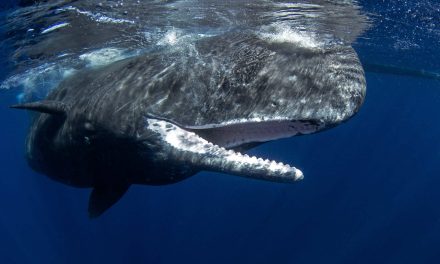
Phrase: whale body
x=163 y=115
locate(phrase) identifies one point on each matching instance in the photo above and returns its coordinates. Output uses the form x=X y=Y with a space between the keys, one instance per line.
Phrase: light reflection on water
x=51 y=40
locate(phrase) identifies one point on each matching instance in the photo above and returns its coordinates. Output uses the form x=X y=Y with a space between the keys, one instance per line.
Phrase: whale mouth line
x=236 y=134
x=191 y=148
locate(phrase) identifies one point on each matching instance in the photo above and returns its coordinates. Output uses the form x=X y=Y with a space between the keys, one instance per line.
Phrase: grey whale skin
x=161 y=117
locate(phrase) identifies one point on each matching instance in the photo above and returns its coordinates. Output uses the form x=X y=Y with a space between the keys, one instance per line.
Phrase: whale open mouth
x=235 y=134
x=213 y=147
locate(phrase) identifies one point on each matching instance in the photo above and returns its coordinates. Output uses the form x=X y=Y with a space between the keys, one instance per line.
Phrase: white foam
x=177 y=39
x=286 y=34
x=103 y=57
x=54 y=27
x=37 y=81
x=172 y=37
x=297 y=5
x=98 y=17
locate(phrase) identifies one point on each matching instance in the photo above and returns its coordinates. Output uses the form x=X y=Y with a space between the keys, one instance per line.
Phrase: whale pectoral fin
x=103 y=197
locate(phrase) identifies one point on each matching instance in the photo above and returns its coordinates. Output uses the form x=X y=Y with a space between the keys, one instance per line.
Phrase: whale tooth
x=274 y=164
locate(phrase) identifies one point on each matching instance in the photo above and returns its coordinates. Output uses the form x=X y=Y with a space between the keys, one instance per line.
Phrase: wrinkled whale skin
x=98 y=128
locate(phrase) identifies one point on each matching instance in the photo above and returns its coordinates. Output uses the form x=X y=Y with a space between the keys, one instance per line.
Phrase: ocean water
x=370 y=192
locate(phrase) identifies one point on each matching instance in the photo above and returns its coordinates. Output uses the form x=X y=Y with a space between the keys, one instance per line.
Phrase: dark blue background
x=370 y=195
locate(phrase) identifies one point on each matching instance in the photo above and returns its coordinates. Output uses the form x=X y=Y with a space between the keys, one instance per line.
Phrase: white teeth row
x=276 y=171
x=253 y=159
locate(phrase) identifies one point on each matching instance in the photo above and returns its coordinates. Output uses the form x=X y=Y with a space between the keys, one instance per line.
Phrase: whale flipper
x=104 y=196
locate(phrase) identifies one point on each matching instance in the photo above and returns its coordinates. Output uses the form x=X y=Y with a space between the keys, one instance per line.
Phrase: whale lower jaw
x=189 y=148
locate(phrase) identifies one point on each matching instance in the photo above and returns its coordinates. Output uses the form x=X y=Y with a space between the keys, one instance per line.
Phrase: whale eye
x=89 y=129
x=89 y=126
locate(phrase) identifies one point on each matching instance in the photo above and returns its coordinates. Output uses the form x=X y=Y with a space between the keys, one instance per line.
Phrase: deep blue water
x=370 y=195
